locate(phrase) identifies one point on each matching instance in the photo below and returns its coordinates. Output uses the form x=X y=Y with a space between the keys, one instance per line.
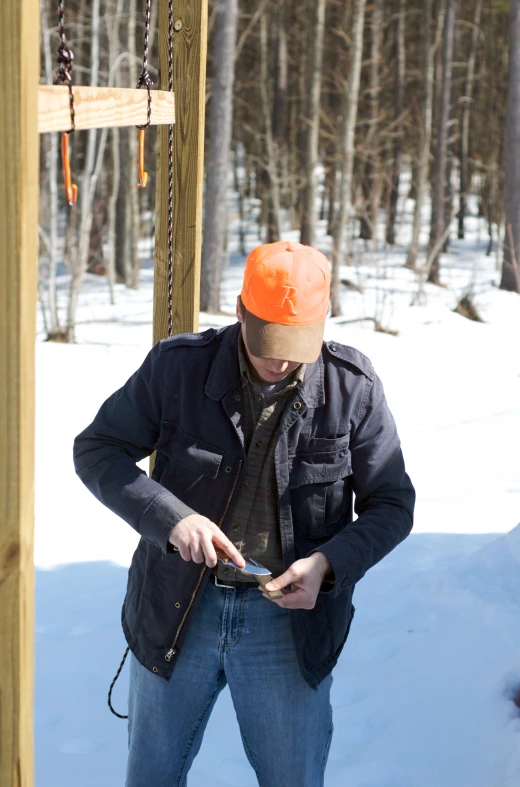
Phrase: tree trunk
x=273 y=218
x=371 y=192
x=124 y=186
x=316 y=31
x=133 y=220
x=217 y=166
x=451 y=138
x=278 y=120
x=116 y=163
x=511 y=266
x=467 y=101
x=491 y=184
x=87 y=189
x=53 y=326
x=346 y=166
x=337 y=20
x=398 y=115
x=426 y=136
x=438 y=212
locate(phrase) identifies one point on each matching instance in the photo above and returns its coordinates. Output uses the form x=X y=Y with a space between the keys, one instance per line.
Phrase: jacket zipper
x=173 y=650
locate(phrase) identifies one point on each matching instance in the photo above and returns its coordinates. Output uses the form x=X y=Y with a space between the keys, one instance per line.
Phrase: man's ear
x=240 y=317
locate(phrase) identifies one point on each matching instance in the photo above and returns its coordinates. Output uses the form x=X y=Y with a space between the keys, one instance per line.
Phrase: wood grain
x=189 y=69
x=19 y=182
x=101 y=107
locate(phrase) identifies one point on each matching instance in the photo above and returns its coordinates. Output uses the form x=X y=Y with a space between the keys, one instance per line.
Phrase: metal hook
x=71 y=189
x=143 y=176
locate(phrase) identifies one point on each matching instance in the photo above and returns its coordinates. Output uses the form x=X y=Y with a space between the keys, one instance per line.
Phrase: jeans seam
x=326 y=751
x=251 y=756
x=194 y=734
x=240 y=617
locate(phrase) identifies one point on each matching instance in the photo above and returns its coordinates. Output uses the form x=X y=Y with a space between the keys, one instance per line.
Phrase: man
x=263 y=434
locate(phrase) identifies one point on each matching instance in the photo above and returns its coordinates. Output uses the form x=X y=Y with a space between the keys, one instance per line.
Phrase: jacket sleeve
x=124 y=431
x=385 y=497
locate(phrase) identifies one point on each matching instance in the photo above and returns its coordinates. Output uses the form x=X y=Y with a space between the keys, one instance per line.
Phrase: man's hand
x=305 y=577
x=196 y=537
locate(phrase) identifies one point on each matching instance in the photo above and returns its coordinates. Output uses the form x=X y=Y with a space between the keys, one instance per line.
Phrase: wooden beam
x=19 y=145
x=189 y=70
x=101 y=107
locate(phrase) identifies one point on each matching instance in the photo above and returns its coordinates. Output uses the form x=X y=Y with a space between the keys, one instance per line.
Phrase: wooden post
x=19 y=176
x=189 y=84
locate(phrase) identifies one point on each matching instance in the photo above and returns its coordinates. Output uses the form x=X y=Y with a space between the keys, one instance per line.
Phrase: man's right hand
x=196 y=537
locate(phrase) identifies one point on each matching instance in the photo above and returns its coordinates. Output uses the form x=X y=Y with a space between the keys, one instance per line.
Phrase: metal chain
x=63 y=74
x=170 y=175
x=144 y=77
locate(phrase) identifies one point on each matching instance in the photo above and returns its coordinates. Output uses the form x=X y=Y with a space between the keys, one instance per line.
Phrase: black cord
x=63 y=74
x=144 y=77
x=119 y=716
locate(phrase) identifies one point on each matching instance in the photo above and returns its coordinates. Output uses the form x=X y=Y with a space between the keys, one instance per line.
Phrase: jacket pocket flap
x=319 y=468
x=187 y=451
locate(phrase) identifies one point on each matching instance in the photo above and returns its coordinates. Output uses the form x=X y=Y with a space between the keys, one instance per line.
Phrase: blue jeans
x=237 y=637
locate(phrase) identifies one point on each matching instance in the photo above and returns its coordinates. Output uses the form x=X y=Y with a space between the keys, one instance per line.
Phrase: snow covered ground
x=422 y=692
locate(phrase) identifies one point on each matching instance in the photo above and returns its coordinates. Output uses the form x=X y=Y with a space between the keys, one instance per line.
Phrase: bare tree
x=441 y=157
x=93 y=161
x=467 y=100
x=217 y=160
x=53 y=328
x=370 y=180
x=133 y=216
x=510 y=268
x=400 y=75
x=273 y=230
x=279 y=113
x=429 y=49
x=312 y=119
x=346 y=165
x=113 y=38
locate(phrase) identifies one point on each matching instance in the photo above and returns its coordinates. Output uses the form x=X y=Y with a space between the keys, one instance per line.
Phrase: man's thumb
x=282 y=581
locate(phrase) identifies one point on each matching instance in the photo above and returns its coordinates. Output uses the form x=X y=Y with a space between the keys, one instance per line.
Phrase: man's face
x=268 y=369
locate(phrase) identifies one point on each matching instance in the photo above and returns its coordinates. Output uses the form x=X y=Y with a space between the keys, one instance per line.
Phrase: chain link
x=144 y=77
x=170 y=175
x=63 y=74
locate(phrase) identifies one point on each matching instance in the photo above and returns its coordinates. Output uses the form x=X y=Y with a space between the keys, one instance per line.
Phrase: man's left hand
x=305 y=577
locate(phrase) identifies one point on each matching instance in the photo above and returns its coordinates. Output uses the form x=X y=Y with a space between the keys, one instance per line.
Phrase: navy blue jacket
x=336 y=440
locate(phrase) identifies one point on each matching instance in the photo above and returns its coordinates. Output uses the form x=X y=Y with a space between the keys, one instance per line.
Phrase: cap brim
x=298 y=343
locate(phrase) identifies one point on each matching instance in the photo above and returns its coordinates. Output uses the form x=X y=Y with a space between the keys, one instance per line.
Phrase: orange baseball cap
x=286 y=293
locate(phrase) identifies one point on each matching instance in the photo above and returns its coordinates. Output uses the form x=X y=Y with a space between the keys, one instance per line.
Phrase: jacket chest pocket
x=183 y=461
x=319 y=482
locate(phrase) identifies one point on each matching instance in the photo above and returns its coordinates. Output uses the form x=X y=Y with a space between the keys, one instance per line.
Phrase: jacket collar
x=224 y=374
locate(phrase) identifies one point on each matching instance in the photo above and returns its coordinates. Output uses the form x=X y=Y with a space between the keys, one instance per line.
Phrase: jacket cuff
x=164 y=512
x=329 y=581
x=343 y=568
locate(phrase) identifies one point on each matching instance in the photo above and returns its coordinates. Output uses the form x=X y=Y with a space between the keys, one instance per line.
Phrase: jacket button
x=237 y=397
x=236 y=528
x=177 y=605
x=155 y=669
x=228 y=469
x=258 y=443
x=333 y=348
x=297 y=405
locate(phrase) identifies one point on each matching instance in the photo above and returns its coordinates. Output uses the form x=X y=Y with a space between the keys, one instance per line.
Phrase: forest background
x=315 y=109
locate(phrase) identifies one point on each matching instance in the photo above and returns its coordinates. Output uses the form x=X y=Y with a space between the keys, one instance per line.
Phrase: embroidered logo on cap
x=287 y=298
